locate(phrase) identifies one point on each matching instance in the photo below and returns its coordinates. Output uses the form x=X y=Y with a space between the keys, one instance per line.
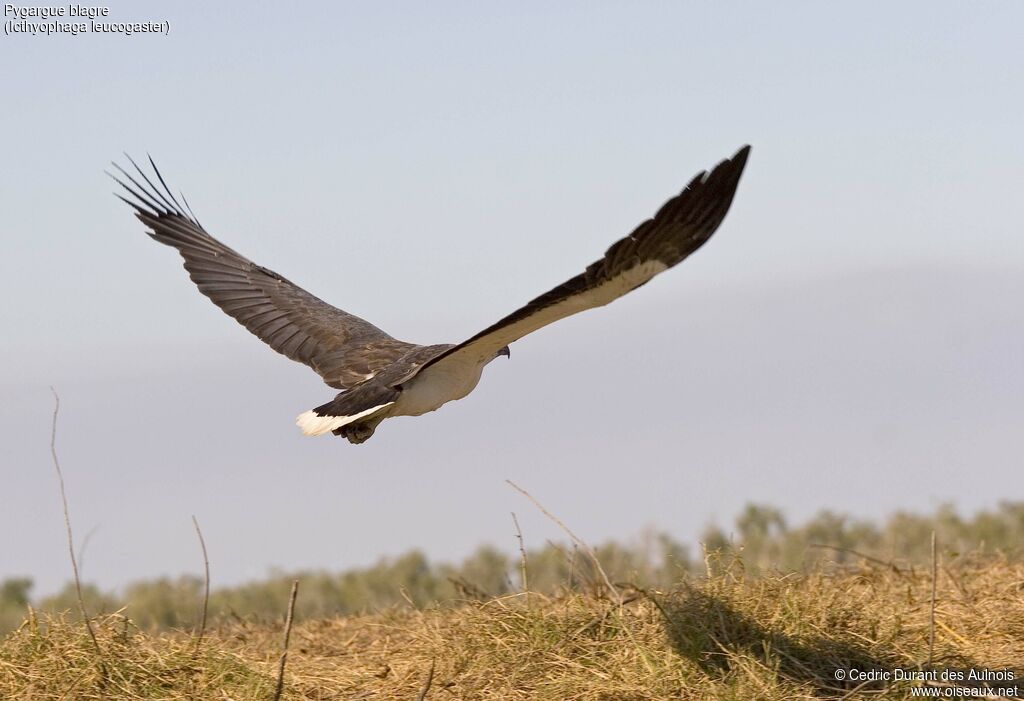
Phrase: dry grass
x=728 y=637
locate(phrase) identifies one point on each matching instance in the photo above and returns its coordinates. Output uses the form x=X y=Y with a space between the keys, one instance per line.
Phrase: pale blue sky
x=851 y=339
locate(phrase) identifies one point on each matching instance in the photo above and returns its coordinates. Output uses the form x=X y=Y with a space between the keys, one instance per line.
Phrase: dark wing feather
x=340 y=347
x=680 y=227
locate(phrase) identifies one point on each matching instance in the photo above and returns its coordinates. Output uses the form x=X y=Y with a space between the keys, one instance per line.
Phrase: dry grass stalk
x=71 y=540
x=612 y=590
x=287 y=635
x=931 y=611
x=426 y=685
x=522 y=557
x=206 y=584
x=857 y=553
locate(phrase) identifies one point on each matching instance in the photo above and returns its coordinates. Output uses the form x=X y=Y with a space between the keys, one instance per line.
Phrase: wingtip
x=740 y=157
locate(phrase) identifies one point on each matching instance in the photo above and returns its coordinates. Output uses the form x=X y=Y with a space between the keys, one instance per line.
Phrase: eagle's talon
x=356 y=433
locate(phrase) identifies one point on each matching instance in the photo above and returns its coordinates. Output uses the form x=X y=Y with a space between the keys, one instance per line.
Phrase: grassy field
x=726 y=636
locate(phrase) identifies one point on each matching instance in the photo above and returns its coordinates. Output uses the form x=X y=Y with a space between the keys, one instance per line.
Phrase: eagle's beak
x=505 y=352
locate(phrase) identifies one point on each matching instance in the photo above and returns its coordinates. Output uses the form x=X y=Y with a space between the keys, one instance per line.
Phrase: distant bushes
x=764 y=540
x=760 y=538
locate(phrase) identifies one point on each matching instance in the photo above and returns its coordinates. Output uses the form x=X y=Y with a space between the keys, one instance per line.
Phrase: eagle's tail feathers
x=314 y=424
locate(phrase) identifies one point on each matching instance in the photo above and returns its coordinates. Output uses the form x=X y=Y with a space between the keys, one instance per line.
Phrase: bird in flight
x=380 y=376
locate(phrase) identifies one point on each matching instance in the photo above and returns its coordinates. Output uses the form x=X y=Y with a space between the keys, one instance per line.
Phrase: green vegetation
x=761 y=540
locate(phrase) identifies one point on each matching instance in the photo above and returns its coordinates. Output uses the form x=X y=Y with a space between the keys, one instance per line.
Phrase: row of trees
x=761 y=539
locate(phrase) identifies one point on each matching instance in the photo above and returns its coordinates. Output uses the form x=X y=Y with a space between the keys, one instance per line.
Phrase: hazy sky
x=851 y=339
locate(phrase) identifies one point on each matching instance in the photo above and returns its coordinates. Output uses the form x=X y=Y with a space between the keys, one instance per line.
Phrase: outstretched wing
x=679 y=228
x=343 y=349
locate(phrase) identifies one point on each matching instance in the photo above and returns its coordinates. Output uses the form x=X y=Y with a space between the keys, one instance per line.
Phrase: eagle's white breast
x=437 y=385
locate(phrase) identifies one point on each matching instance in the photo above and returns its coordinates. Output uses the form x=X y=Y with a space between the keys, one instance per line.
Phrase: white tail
x=313 y=424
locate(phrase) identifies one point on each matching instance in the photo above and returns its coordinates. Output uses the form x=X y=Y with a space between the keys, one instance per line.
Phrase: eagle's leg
x=358 y=432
